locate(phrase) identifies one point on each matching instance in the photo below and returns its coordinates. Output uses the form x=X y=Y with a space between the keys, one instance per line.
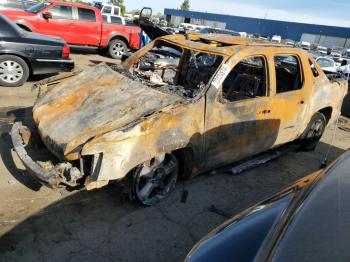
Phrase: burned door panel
x=238 y=122
x=290 y=95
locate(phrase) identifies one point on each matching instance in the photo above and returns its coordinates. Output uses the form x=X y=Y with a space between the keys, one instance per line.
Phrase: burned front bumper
x=53 y=176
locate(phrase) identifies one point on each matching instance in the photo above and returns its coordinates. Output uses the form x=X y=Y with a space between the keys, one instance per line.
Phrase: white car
x=276 y=39
x=110 y=9
x=305 y=45
x=322 y=50
x=327 y=64
x=113 y=19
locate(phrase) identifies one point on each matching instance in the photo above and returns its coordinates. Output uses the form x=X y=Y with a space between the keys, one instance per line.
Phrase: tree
x=135 y=11
x=120 y=3
x=185 y=5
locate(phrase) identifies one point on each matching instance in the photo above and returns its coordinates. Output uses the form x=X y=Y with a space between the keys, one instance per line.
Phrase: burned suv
x=182 y=105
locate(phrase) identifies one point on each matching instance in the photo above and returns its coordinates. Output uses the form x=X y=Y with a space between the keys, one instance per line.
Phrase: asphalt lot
x=39 y=224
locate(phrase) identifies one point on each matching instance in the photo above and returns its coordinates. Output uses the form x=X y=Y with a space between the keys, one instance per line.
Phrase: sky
x=330 y=12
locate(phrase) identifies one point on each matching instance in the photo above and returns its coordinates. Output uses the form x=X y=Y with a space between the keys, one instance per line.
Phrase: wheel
x=313 y=132
x=14 y=71
x=117 y=48
x=155 y=180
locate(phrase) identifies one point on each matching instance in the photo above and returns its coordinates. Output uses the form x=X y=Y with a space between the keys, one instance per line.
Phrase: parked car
x=113 y=19
x=344 y=67
x=182 y=105
x=110 y=9
x=336 y=53
x=289 y=42
x=23 y=53
x=77 y=25
x=305 y=45
x=276 y=39
x=209 y=30
x=307 y=221
x=16 y=4
x=322 y=50
x=327 y=64
x=128 y=17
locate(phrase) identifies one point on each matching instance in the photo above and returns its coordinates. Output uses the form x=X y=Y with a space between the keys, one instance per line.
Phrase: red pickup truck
x=77 y=25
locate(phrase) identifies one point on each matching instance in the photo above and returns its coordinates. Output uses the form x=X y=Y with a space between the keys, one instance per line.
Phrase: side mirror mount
x=47 y=15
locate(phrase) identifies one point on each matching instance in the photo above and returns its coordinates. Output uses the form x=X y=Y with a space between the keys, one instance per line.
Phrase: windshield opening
x=37 y=8
x=171 y=68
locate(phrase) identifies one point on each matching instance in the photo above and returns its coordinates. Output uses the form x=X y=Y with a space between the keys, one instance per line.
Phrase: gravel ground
x=39 y=224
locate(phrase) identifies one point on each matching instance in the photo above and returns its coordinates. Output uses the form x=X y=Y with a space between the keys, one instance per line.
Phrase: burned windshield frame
x=178 y=70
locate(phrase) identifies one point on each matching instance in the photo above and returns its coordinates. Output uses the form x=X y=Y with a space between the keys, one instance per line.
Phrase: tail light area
x=66 y=51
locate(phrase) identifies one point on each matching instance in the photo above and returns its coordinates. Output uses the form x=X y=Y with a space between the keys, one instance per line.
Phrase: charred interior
x=181 y=71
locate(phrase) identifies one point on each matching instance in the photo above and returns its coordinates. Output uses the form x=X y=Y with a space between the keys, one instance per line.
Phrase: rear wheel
x=14 y=71
x=313 y=132
x=155 y=180
x=117 y=48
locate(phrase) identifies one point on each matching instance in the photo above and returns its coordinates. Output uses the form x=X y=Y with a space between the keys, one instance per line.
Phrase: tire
x=117 y=48
x=313 y=132
x=14 y=71
x=154 y=181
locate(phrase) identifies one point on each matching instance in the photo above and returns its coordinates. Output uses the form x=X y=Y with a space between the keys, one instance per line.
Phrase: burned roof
x=221 y=44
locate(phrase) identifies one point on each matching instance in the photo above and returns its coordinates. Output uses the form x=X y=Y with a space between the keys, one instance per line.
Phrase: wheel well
x=120 y=38
x=327 y=112
x=185 y=158
x=24 y=59
x=26 y=28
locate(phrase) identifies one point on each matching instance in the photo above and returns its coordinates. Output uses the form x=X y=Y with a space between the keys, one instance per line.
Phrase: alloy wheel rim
x=118 y=49
x=10 y=71
x=316 y=130
x=155 y=182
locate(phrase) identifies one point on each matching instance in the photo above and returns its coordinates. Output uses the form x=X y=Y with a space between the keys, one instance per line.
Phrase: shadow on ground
x=83 y=50
x=99 y=226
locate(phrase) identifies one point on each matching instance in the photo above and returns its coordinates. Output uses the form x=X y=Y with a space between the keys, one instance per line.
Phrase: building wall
x=266 y=27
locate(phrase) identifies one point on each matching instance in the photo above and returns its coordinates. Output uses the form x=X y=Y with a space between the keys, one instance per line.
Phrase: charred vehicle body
x=182 y=105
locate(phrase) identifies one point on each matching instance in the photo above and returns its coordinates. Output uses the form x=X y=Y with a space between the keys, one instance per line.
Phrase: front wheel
x=313 y=132
x=14 y=71
x=155 y=179
x=117 y=48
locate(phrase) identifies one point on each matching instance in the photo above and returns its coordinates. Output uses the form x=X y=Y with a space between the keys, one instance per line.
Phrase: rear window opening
x=246 y=80
x=288 y=73
x=173 y=69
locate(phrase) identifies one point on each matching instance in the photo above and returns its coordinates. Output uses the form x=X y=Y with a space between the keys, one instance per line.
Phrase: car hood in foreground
x=92 y=103
x=308 y=221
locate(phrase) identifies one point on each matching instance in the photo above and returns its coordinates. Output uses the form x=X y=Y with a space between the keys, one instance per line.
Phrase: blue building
x=319 y=34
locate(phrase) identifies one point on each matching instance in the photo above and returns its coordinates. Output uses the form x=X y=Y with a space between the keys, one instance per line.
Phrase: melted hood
x=92 y=103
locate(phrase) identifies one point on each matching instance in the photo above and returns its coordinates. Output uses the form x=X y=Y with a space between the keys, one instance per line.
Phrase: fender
x=116 y=35
x=122 y=150
x=13 y=52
